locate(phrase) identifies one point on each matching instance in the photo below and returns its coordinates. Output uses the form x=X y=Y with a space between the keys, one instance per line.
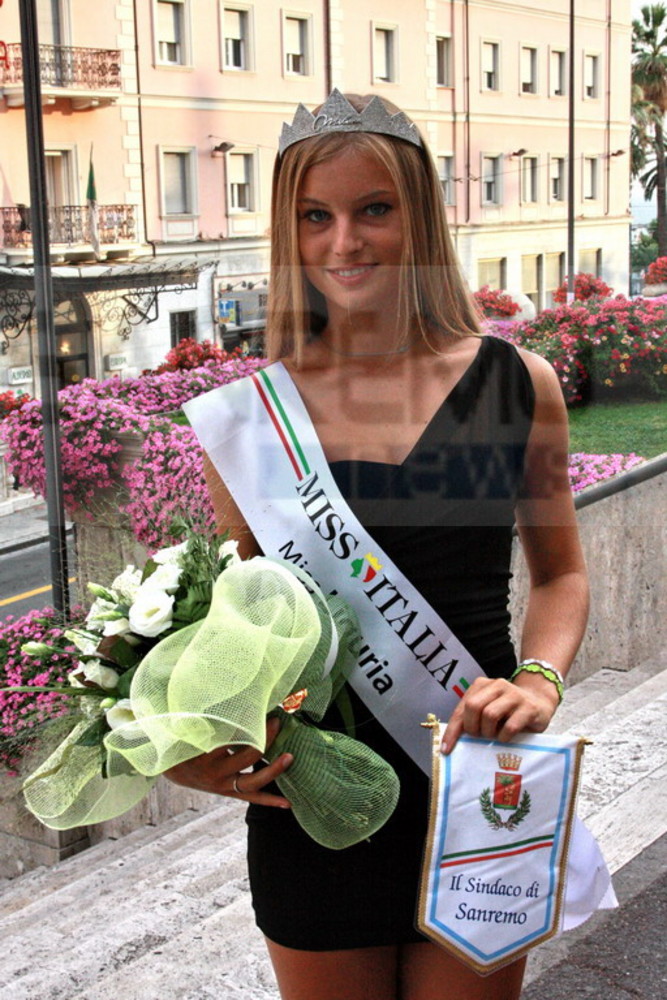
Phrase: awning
x=137 y=286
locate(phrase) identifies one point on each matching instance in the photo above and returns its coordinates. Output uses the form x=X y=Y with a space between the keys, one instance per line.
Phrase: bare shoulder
x=548 y=392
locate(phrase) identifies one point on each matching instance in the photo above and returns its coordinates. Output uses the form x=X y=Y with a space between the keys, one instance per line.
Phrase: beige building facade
x=181 y=103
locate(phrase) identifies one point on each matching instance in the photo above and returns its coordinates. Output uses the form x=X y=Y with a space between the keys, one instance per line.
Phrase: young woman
x=439 y=439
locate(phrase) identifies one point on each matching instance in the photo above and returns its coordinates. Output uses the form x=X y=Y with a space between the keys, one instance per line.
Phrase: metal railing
x=70 y=225
x=65 y=66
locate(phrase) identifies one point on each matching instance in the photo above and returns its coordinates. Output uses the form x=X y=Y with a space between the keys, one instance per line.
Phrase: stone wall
x=624 y=537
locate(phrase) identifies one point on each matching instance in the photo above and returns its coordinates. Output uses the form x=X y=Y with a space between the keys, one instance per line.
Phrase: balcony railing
x=70 y=225
x=64 y=66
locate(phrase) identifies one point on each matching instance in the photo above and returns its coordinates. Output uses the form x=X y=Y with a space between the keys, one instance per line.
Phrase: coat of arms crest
x=506 y=794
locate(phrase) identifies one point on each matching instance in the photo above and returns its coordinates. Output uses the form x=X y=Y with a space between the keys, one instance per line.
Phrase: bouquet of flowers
x=190 y=654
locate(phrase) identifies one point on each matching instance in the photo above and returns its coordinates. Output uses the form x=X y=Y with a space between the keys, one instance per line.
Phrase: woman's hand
x=500 y=710
x=223 y=772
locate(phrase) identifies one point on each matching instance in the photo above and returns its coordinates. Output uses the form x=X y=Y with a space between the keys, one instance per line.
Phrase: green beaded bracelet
x=546 y=669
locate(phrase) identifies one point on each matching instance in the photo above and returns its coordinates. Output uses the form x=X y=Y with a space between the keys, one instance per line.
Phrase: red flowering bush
x=603 y=346
x=189 y=354
x=492 y=302
x=9 y=402
x=586 y=286
x=22 y=714
x=656 y=273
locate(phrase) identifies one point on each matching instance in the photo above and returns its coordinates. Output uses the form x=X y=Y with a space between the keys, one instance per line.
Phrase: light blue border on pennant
x=520 y=942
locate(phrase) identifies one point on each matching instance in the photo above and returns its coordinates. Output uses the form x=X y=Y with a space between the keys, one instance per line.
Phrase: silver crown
x=338 y=115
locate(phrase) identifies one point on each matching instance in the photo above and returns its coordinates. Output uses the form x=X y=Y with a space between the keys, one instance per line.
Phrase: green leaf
x=122 y=689
x=94 y=734
x=120 y=652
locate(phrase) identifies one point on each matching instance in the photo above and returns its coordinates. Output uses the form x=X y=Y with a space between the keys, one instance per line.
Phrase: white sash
x=261 y=440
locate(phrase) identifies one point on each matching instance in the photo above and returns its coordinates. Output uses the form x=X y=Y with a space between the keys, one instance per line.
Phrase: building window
x=445 y=173
x=529 y=179
x=554 y=274
x=557 y=73
x=531 y=277
x=171 y=32
x=443 y=49
x=591 y=74
x=490 y=180
x=490 y=66
x=183 y=325
x=557 y=178
x=296 y=46
x=528 y=69
x=236 y=39
x=590 y=178
x=491 y=273
x=384 y=55
x=179 y=182
x=590 y=262
x=240 y=169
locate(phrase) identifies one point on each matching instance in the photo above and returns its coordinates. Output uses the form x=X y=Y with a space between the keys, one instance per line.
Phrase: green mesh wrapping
x=341 y=791
x=213 y=684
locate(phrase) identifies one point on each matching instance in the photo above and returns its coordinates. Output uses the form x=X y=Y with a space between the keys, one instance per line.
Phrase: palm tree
x=649 y=73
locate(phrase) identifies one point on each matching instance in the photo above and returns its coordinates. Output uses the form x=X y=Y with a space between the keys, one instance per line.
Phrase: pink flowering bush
x=166 y=483
x=586 y=470
x=602 y=347
x=22 y=714
x=92 y=416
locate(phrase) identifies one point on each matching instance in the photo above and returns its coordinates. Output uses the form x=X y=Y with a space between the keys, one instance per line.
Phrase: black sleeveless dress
x=445 y=518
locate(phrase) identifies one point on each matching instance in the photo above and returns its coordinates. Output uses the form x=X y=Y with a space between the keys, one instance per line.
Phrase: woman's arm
x=558 y=599
x=220 y=771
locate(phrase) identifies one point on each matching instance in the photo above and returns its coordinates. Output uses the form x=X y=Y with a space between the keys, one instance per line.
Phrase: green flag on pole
x=93 y=210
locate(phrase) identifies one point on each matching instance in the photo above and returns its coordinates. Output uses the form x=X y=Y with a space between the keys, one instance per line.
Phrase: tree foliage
x=649 y=103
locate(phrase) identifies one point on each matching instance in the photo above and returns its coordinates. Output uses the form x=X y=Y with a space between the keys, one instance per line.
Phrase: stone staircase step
x=627 y=701
x=165 y=912
x=176 y=831
x=601 y=688
x=211 y=853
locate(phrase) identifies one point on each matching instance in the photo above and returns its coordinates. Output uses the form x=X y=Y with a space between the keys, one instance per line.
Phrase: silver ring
x=235 y=785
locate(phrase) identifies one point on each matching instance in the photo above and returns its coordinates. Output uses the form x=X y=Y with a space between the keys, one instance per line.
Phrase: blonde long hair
x=432 y=292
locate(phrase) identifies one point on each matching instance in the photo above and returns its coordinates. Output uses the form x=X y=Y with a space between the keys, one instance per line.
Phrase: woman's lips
x=349 y=275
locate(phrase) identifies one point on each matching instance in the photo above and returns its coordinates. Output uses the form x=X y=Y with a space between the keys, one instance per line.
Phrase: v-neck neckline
x=461 y=383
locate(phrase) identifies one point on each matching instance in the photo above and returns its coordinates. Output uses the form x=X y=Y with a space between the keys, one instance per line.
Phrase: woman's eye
x=378 y=208
x=316 y=215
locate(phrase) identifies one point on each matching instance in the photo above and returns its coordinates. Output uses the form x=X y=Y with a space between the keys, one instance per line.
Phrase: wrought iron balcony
x=70 y=225
x=87 y=71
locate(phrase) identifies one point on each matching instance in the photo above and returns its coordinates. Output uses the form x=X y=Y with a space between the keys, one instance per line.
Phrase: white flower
x=171 y=555
x=97 y=590
x=117 y=627
x=95 y=672
x=127 y=583
x=102 y=611
x=120 y=714
x=84 y=642
x=166 y=577
x=151 y=612
x=230 y=548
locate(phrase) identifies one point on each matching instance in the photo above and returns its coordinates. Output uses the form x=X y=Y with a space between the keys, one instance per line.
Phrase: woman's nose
x=347 y=238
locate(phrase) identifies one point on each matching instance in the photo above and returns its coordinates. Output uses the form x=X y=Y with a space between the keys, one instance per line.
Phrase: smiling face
x=351 y=233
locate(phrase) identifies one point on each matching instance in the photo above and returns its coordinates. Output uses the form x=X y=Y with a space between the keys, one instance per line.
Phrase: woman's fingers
x=225 y=771
x=497 y=710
